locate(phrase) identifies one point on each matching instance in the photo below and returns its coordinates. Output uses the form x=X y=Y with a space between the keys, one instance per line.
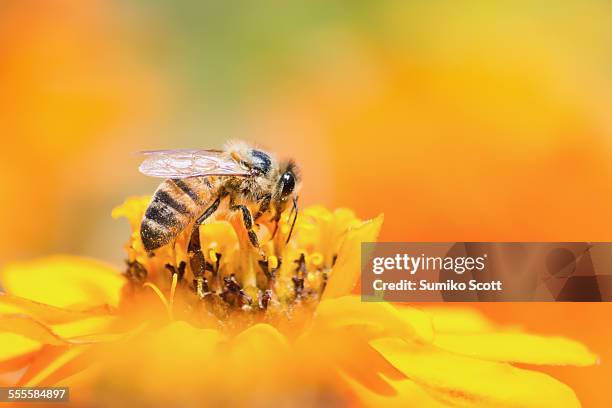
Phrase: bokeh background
x=460 y=121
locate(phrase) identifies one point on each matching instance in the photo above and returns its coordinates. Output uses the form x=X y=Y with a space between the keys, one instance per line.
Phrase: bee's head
x=288 y=182
x=286 y=191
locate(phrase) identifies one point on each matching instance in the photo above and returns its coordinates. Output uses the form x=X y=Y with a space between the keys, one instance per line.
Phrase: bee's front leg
x=247 y=218
x=264 y=207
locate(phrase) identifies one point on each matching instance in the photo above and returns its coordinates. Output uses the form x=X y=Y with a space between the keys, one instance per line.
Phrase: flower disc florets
x=250 y=285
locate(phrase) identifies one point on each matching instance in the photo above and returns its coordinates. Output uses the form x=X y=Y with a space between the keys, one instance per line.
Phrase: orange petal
x=257 y=350
x=64 y=281
x=30 y=328
x=161 y=361
x=368 y=369
x=54 y=364
x=17 y=362
x=458 y=320
x=517 y=347
x=85 y=328
x=75 y=361
x=374 y=319
x=42 y=312
x=469 y=382
x=346 y=271
x=41 y=361
x=16 y=345
x=407 y=394
x=80 y=332
x=132 y=208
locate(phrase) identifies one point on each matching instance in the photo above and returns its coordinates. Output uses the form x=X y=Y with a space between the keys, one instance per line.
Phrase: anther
x=315 y=259
x=272 y=262
x=212 y=255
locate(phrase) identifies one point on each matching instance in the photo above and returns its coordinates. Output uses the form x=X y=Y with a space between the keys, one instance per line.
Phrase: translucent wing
x=189 y=163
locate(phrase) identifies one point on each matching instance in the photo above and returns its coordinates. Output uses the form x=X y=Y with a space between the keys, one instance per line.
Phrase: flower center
x=235 y=285
x=222 y=277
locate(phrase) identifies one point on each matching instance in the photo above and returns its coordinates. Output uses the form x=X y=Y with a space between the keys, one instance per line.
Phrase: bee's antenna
x=295 y=207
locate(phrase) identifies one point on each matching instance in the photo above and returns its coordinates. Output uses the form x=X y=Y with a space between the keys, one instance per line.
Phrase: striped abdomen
x=174 y=205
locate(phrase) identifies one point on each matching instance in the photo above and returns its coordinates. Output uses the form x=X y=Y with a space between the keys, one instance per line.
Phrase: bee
x=251 y=181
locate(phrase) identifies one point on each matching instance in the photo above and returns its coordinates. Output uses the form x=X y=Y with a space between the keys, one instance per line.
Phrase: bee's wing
x=189 y=163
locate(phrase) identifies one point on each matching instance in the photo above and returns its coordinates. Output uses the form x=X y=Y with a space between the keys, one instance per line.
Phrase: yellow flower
x=285 y=331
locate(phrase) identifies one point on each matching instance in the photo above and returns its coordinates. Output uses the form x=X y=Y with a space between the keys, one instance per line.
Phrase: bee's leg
x=265 y=205
x=194 y=249
x=276 y=220
x=247 y=218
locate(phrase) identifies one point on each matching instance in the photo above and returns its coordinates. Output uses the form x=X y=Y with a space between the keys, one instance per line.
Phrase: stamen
x=168 y=304
x=264 y=301
x=212 y=255
x=301 y=265
x=158 y=292
x=181 y=270
x=300 y=274
x=201 y=290
x=172 y=292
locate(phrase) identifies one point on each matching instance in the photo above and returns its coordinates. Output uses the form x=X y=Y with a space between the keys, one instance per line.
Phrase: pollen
x=312 y=278
x=315 y=259
x=272 y=262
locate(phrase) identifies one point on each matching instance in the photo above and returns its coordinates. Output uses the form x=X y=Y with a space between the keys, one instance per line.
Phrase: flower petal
x=15 y=345
x=517 y=347
x=74 y=361
x=175 y=343
x=343 y=327
x=458 y=320
x=64 y=281
x=349 y=352
x=260 y=336
x=419 y=320
x=469 y=382
x=16 y=363
x=47 y=314
x=219 y=235
x=180 y=354
x=97 y=325
x=132 y=208
x=53 y=364
x=407 y=394
x=30 y=328
x=254 y=351
x=377 y=319
x=80 y=332
x=346 y=271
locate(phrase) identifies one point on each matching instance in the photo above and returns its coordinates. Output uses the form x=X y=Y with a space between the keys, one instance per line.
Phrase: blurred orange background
x=465 y=122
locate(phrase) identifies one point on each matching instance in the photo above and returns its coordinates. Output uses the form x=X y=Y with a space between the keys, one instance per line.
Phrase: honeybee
x=252 y=182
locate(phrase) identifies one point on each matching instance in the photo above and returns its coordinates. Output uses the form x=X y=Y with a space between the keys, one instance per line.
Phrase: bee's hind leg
x=194 y=248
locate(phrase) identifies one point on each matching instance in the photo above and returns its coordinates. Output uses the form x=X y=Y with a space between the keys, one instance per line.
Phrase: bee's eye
x=288 y=180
